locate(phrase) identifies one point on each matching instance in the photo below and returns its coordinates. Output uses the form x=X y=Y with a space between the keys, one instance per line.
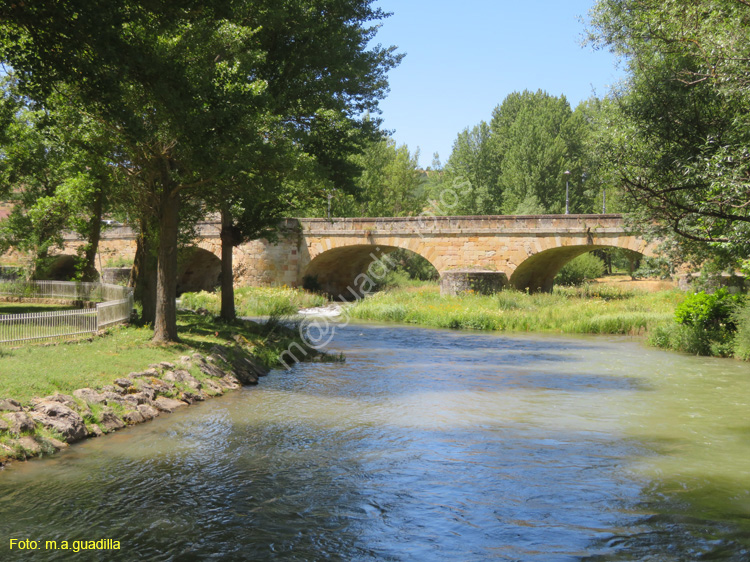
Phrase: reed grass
x=592 y=310
x=256 y=301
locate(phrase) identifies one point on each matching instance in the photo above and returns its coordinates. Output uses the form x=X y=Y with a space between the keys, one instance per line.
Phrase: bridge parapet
x=505 y=224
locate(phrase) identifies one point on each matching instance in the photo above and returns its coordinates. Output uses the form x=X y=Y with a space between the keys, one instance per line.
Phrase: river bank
x=53 y=395
x=590 y=309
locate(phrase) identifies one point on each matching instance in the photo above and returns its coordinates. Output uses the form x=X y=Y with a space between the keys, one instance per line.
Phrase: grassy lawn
x=34 y=370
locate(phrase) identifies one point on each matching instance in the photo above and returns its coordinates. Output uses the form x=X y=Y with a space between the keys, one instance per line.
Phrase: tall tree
x=682 y=143
x=474 y=165
x=517 y=163
x=190 y=90
x=55 y=172
x=537 y=140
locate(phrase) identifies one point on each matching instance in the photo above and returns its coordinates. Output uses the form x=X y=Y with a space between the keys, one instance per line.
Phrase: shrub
x=709 y=311
x=741 y=318
x=580 y=269
x=706 y=325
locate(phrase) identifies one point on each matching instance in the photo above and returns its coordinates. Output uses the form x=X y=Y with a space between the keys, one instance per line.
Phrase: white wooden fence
x=116 y=306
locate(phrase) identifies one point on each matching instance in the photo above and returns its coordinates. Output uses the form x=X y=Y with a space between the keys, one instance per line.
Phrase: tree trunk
x=143 y=276
x=92 y=246
x=227 y=270
x=165 y=322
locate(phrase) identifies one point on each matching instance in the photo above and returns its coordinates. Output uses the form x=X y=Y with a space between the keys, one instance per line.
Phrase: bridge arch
x=351 y=271
x=537 y=272
x=61 y=267
x=198 y=270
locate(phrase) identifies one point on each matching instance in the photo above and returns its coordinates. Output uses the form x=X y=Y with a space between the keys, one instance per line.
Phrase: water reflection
x=424 y=445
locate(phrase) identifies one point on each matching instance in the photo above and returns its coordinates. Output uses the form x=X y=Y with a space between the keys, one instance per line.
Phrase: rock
x=184 y=377
x=4 y=426
x=210 y=369
x=247 y=369
x=213 y=387
x=95 y=430
x=115 y=398
x=168 y=405
x=137 y=398
x=10 y=405
x=90 y=396
x=160 y=386
x=115 y=389
x=193 y=397
x=147 y=390
x=29 y=445
x=65 y=399
x=222 y=353
x=57 y=444
x=133 y=417
x=109 y=420
x=147 y=373
x=166 y=365
x=123 y=383
x=59 y=417
x=148 y=412
x=229 y=382
x=19 y=422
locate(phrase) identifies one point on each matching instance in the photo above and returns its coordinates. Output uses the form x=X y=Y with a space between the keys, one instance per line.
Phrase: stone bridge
x=340 y=254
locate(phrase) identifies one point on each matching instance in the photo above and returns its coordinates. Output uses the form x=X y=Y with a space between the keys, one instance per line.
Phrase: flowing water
x=424 y=445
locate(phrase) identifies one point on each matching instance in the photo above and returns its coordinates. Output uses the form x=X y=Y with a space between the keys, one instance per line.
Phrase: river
x=424 y=445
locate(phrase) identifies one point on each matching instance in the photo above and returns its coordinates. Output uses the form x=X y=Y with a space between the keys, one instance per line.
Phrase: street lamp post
x=604 y=201
x=567 y=192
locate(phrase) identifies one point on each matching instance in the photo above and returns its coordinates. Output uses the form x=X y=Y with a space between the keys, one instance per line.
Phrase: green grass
x=593 y=310
x=256 y=301
x=29 y=371
x=25 y=308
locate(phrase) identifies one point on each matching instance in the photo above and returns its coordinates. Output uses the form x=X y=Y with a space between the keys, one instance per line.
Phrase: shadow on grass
x=202 y=332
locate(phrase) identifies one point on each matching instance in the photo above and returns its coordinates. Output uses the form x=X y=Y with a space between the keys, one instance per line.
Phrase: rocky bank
x=51 y=423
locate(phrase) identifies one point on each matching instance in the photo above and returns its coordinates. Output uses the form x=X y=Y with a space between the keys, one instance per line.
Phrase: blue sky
x=463 y=58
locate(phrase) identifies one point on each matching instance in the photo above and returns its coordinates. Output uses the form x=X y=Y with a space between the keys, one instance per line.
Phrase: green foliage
x=517 y=163
x=390 y=184
x=659 y=268
x=579 y=270
x=256 y=301
x=223 y=104
x=709 y=311
x=705 y=324
x=741 y=319
x=568 y=310
x=679 y=134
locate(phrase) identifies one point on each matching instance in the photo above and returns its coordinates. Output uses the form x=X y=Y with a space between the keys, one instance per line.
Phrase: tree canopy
x=681 y=134
x=198 y=97
x=517 y=163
